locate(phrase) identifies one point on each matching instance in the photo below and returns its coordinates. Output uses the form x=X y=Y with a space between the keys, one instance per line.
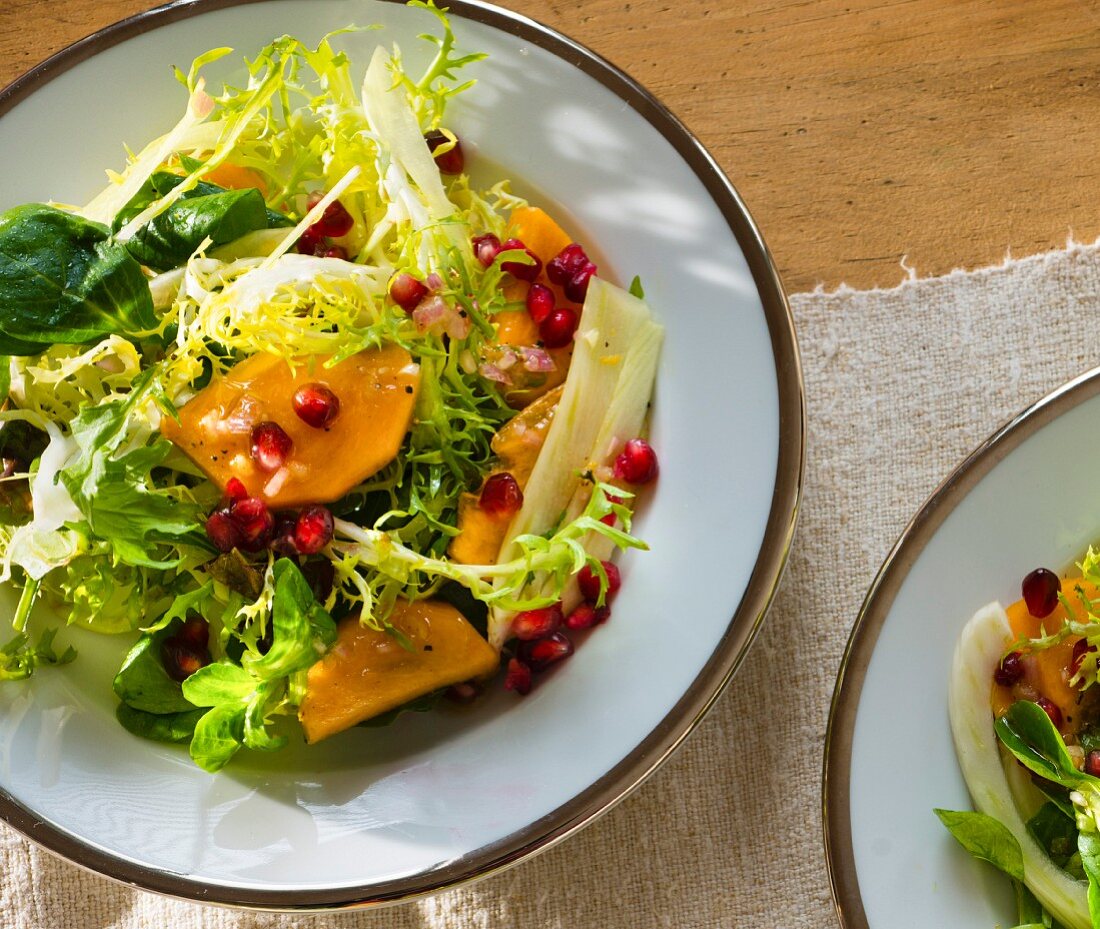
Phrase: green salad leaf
x=205 y=212
x=63 y=280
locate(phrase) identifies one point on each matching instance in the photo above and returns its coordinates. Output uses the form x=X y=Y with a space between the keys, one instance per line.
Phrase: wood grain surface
x=859 y=132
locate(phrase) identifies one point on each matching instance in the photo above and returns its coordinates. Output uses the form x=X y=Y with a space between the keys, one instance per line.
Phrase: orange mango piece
x=369 y=672
x=517 y=444
x=234 y=177
x=377 y=391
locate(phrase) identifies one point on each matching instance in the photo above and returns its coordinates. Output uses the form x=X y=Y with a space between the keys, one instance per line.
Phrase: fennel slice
x=611 y=322
x=977 y=654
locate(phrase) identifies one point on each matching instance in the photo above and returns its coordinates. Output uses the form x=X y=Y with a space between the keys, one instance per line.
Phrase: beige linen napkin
x=900 y=385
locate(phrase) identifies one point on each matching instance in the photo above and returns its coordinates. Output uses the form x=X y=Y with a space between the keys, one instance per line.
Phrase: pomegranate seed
x=486 y=248
x=464 y=692
x=335 y=251
x=517 y=677
x=537 y=624
x=235 y=489
x=311 y=241
x=254 y=521
x=1041 y=588
x=451 y=161
x=637 y=463
x=544 y=652
x=407 y=291
x=181 y=660
x=525 y=272
x=1092 y=763
x=566 y=263
x=270 y=445
x=500 y=495
x=610 y=519
x=223 y=531
x=556 y=331
x=1080 y=648
x=576 y=288
x=589 y=582
x=282 y=535
x=1051 y=709
x=336 y=221
x=316 y=405
x=314 y=529
x=1010 y=670
x=540 y=302
x=586 y=615
x=195 y=632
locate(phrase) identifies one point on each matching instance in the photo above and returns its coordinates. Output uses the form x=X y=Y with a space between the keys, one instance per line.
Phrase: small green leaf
x=158 y=727
x=636 y=288
x=985 y=838
x=1055 y=832
x=218 y=736
x=301 y=629
x=219 y=683
x=1027 y=732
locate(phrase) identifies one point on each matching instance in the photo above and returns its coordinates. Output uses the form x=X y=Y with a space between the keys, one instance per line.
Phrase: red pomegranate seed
x=576 y=288
x=407 y=291
x=195 y=632
x=566 y=263
x=1041 y=588
x=556 y=331
x=525 y=272
x=1010 y=670
x=544 y=652
x=540 y=302
x=235 y=489
x=589 y=582
x=537 y=624
x=335 y=251
x=637 y=463
x=500 y=495
x=1081 y=648
x=451 y=161
x=1092 y=763
x=181 y=660
x=1051 y=709
x=223 y=531
x=254 y=521
x=336 y=221
x=282 y=535
x=311 y=241
x=270 y=445
x=586 y=615
x=464 y=692
x=316 y=405
x=314 y=529
x=517 y=677
x=486 y=248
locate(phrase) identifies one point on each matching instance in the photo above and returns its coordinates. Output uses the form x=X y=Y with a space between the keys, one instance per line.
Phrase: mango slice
x=369 y=672
x=517 y=444
x=377 y=392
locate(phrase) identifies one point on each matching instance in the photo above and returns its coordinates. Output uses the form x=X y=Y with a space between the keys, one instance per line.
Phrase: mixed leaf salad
x=1025 y=716
x=327 y=431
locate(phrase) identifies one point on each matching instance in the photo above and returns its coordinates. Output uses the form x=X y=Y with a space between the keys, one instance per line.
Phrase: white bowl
x=441 y=798
x=1025 y=499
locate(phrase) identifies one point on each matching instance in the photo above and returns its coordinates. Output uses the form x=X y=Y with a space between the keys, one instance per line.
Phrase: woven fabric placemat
x=900 y=385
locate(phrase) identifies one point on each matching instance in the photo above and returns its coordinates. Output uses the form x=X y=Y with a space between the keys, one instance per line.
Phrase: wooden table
x=858 y=131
